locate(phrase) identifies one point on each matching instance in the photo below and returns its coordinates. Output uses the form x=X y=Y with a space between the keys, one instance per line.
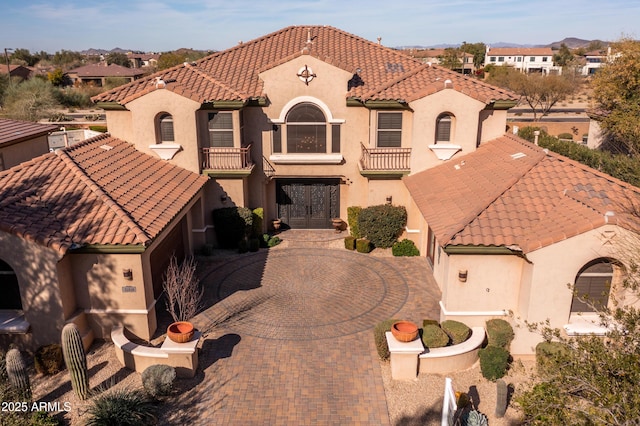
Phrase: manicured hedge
x=499 y=333
x=434 y=337
x=232 y=225
x=382 y=224
x=405 y=248
x=381 y=341
x=352 y=219
x=457 y=331
x=494 y=362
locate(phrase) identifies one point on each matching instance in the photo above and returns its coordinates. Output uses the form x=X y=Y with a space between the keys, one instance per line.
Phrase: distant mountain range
x=570 y=42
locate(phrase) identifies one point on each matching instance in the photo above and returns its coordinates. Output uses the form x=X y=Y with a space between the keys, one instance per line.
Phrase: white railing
x=449 y=405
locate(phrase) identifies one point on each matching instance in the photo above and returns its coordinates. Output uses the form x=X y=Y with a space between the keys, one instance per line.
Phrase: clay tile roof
x=101 y=191
x=100 y=70
x=514 y=194
x=12 y=131
x=234 y=74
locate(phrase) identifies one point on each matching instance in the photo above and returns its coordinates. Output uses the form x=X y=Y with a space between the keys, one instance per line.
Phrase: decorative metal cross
x=306 y=74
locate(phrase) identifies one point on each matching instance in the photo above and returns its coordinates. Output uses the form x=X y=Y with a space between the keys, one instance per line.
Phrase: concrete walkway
x=288 y=333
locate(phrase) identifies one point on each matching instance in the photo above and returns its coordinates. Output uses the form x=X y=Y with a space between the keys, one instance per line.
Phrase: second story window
x=221 y=129
x=389 y=129
x=500 y=58
x=165 y=128
x=544 y=59
x=306 y=129
x=532 y=59
x=492 y=59
x=443 y=128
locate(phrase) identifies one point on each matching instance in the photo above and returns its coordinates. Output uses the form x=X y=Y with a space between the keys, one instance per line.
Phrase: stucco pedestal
x=404 y=357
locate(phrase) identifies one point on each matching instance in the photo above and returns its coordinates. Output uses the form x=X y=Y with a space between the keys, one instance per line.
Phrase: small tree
x=184 y=295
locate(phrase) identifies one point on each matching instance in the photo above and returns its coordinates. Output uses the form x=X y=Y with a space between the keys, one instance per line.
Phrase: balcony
x=227 y=162
x=385 y=162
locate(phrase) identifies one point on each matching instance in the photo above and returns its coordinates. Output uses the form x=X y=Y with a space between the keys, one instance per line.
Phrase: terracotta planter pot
x=404 y=331
x=180 y=332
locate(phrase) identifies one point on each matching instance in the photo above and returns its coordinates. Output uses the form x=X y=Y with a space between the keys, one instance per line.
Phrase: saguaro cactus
x=75 y=360
x=17 y=373
x=501 y=398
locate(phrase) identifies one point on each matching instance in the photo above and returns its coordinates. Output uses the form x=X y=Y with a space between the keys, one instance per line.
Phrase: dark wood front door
x=307 y=204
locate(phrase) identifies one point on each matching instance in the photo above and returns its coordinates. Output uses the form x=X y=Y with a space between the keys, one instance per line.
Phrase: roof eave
x=502 y=104
x=110 y=106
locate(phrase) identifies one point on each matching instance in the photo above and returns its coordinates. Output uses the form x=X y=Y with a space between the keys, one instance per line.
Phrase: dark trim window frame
x=389 y=130
x=220 y=127
x=444 y=128
x=165 y=128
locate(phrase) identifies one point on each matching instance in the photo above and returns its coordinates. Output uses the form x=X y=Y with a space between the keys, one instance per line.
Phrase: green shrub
x=42 y=418
x=457 y=331
x=549 y=355
x=273 y=241
x=499 y=333
x=380 y=338
x=382 y=224
x=405 y=247
x=350 y=242
x=48 y=359
x=494 y=362
x=232 y=225
x=158 y=380
x=122 y=407
x=363 y=245
x=565 y=136
x=264 y=240
x=101 y=129
x=434 y=337
x=254 y=244
x=258 y=220
x=428 y=321
x=352 y=219
x=243 y=246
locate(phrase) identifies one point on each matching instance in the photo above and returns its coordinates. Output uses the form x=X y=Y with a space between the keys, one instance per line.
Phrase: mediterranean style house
x=520 y=229
x=86 y=233
x=306 y=121
x=524 y=59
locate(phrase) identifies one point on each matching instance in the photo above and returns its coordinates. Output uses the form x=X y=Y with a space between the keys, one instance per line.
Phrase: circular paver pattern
x=306 y=294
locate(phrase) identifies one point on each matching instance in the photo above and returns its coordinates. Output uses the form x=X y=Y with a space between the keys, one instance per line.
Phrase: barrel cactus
x=502 y=398
x=75 y=360
x=17 y=373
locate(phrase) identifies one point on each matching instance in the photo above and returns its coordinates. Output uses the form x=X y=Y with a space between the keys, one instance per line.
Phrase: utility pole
x=6 y=57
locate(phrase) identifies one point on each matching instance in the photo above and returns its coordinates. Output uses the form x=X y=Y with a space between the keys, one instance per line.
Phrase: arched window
x=164 y=128
x=9 y=288
x=592 y=286
x=444 y=124
x=306 y=129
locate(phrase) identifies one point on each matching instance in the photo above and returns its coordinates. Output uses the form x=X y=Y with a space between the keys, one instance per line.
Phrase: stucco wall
x=26 y=150
x=37 y=273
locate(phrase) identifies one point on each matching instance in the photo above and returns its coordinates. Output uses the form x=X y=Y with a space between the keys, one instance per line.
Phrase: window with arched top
x=164 y=128
x=444 y=125
x=9 y=288
x=592 y=286
x=306 y=129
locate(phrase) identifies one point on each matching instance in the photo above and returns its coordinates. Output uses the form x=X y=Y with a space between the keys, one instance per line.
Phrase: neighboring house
x=143 y=60
x=22 y=140
x=85 y=236
x=20 y=71
x=508 y=227
x=306 y=121
x=435 y=56
x=65 y=138
x=99 y=73
x=524 y=59
x=595 y=60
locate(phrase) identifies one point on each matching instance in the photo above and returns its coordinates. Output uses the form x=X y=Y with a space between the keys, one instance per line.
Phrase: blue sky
x=200 y=24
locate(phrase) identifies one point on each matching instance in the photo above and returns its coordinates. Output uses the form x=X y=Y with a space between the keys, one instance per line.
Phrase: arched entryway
x=9 y=288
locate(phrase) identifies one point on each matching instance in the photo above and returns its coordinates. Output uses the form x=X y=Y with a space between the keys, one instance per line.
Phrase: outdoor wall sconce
x=389 y=198
x=127 y=274
x=462 y=275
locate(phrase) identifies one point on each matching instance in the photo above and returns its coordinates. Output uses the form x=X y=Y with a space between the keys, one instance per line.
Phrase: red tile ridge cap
x=215 y=81
x=102 y=195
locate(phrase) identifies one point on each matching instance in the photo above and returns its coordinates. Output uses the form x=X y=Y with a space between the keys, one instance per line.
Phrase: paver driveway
x=287 y=336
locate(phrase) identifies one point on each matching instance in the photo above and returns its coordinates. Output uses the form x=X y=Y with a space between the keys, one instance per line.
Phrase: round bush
x=405 y=248
x=48 y=359
x=457 y=331
x=382 y=224
x=549 y=355
x=499 y=333
x=158 y=380
x=494 y=362
x=434 y=337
